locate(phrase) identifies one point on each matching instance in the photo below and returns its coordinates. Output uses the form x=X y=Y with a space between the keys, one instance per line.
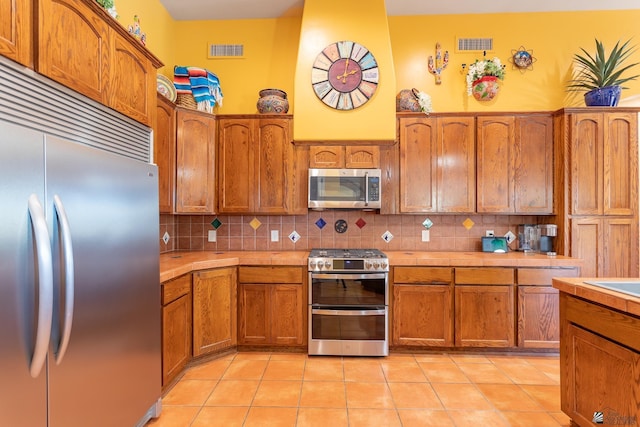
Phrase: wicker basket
x=186 y=100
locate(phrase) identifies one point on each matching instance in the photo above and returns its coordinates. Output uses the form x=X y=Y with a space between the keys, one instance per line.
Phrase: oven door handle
x=349 y=276
x=327 y=312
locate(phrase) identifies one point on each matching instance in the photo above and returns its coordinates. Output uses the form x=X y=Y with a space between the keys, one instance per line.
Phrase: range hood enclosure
x=325 y=22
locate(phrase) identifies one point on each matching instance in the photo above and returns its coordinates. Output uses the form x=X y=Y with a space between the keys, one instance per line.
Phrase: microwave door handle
x=366 y=188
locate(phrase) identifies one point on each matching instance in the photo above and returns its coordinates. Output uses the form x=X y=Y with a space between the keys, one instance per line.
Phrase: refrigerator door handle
x=67 y=259
x=45 y=285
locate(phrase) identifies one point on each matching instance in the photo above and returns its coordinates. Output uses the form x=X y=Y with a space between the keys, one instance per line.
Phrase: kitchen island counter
x=620 y=301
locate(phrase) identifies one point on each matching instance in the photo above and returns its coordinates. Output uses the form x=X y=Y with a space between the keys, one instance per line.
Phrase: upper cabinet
x=16 y=31
x=344 y=156
x=437 y=164
x=80 y=46
x=515 y=164
x=256 y=165
x=164 y=152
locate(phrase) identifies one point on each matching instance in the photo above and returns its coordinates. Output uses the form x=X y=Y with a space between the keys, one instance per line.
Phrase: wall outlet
x=275 y=236
x=489 y=233
x=212 y=235
x=425 y=235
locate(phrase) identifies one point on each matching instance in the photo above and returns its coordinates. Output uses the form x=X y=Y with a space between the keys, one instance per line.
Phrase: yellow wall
x=271 y=50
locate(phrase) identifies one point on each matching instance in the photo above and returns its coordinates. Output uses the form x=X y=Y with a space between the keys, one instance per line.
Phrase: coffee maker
x=528 y=238
x=546 y=236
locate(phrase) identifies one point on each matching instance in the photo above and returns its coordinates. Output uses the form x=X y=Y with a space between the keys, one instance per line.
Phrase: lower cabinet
x=214 y=310
x=176 y=326
x=271 y=306
x=422 y=307
x=484 y=307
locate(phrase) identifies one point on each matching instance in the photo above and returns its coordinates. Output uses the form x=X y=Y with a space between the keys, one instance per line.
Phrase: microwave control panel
x=374 y=188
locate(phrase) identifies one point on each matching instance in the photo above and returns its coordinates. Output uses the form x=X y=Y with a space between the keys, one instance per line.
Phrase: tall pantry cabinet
x=599 y=210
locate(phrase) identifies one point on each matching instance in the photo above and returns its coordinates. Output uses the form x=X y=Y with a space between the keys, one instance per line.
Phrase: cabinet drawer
x=270 y=274
x=543 y=276
x=175 y=288
x=423 y=275
x=485 y=276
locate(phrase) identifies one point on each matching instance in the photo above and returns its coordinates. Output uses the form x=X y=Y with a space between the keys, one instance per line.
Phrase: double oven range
x=348 y=302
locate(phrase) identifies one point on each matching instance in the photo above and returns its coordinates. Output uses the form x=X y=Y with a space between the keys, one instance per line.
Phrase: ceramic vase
x=407 y=100
x=273 y=101
x=607 y=96
x=485 y=88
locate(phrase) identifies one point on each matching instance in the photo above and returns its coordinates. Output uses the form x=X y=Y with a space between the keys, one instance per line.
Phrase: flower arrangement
x=486 y=67
x=425 y=102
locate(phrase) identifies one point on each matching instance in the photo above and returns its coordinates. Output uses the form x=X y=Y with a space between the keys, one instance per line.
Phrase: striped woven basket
x=186 y=100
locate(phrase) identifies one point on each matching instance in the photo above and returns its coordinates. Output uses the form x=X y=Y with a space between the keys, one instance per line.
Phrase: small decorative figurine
x=136 y=31
x=440 y=63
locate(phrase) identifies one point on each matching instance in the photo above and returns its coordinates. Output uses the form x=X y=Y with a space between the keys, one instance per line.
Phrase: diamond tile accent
x=255 y=223
x=166 y=237
x=361 y=223
x=387 y=236
x=216 y=223
x=468 y=223
x=294 y=236
x=427 y=223
x=321 y=223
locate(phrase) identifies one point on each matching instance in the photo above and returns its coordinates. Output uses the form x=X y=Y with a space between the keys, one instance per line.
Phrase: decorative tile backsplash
x=238 y=232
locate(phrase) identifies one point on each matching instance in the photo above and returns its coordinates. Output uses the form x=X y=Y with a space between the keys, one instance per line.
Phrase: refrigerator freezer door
x=22 y=398
x=110 y=374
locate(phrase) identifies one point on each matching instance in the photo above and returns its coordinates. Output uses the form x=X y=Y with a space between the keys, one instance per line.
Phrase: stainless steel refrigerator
x=79 y=276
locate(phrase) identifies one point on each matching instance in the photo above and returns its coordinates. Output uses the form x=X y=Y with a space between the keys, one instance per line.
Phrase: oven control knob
x=383 y=265
x=327 y=264
x=376 y=264
x=367 y=265
x=312 y=264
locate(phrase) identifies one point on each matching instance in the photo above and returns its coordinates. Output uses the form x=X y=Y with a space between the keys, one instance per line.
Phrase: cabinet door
x=484 y=316
x=16 y=30
x=620 y=164
x=195 y=160
x=286 y=313
x=418 y=164
x=326 y=156
x=362 y=156
x=132 y=81
x=253 y=314
x=66 y=26
x=586 y=244
x=214 y=310
x=176 y=337
x=164 y=152
x=538 y=317
x=586 y=148
x=533 y=165
x=496 y=146
x=274 y=167
x=236 y=165
x=422 y=315
x=456 y=157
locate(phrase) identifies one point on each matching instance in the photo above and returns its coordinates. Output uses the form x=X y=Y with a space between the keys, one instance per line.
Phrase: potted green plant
x=601 y=75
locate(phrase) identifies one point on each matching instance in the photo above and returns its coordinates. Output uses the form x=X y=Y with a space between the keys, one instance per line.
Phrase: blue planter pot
x=607 y=96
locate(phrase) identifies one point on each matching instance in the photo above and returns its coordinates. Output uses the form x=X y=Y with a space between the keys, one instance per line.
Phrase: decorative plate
x=341 y=226
x=166 y=88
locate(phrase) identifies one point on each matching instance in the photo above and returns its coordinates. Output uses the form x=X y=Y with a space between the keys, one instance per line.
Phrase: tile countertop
x=613 y=299
x=174 y=264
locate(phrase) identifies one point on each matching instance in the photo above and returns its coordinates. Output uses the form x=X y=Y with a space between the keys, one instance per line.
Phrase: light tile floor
x=281 y=389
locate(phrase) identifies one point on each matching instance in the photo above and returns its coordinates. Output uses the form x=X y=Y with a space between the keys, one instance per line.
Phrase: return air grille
x=226 y=50
x=474 y=44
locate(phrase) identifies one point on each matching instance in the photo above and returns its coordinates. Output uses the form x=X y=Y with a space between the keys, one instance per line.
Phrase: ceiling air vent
x=474 y=44
x=226 y=50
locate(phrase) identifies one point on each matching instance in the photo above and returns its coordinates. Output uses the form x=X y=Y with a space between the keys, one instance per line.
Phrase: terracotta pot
x=485 y=88
x=407 y=100
x=273 y=101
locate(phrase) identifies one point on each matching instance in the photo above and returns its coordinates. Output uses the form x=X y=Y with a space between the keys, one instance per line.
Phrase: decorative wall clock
x=345 y=75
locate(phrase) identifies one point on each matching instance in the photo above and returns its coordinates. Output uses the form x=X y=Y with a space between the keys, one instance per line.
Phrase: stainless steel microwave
x=344 y=188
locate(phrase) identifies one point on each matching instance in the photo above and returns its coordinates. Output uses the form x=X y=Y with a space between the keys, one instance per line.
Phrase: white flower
x=486 y=67
x=425 y=102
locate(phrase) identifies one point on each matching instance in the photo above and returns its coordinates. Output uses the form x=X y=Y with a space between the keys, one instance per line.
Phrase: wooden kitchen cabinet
x=81 y=46
x=214 y=310
x=484 y=307
x=176 y=327
x=195 y=162
x=164 y=152
x=538 y=306
x=16 y=29
x=344 y=156
x=422 y=314
x=437 y=164
x=515 y=164
x=256 y=167
x=271 y=306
